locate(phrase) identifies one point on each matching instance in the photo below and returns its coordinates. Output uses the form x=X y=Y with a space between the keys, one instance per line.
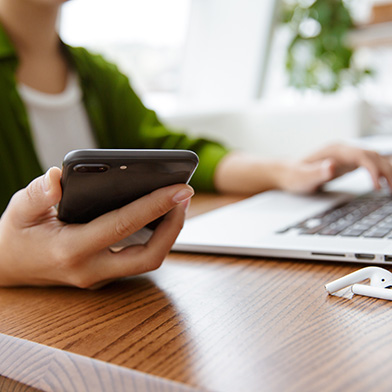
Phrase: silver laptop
x=346 y=222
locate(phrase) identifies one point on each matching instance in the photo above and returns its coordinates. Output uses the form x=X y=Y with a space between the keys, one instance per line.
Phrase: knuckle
x=12 y=209
x=161 y=207
x=335 y=146
x=154 y=263
x=157 y=206
x=124 y=227
x=372 y=155
x=82 y=282
x=32 y=192
x=152 y=260
x=73 y=274
x=16 y=196
x=66 y=259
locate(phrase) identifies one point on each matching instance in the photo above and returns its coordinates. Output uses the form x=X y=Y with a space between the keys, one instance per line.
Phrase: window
x=144 y=38
x=227 y=51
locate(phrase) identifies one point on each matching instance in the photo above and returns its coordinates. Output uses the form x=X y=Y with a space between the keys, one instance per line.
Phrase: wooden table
x=200 y=322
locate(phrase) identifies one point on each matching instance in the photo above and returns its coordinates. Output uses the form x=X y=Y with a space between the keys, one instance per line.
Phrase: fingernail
x=326 y=168
x=47 y=181
x=186 y=205
x=183 y=195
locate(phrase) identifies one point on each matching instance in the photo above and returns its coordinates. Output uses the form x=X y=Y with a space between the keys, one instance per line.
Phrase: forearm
x=239 y=173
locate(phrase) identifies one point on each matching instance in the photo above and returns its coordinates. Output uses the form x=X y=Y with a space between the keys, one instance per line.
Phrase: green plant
x=319 y=55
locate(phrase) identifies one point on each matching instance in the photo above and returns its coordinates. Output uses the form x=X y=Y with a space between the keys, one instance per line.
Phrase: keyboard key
x=352 y=232
x=368 y=216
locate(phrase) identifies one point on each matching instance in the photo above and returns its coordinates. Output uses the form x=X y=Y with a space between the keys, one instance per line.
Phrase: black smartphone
x=96 y=181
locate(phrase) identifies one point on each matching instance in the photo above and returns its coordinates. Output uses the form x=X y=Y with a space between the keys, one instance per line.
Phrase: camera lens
x=91 y=168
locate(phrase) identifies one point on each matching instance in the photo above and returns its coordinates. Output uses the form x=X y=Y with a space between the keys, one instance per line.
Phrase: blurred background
x=277 y=78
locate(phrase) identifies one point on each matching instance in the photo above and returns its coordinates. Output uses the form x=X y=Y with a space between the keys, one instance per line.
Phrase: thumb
x=319 y=173
x=327 y=170
x=38 y=198
x=310 y=176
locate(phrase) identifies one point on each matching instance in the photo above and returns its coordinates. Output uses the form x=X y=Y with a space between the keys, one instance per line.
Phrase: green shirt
x=117 y=116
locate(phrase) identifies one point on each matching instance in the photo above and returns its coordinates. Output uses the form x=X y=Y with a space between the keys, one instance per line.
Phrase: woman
x=54 y=98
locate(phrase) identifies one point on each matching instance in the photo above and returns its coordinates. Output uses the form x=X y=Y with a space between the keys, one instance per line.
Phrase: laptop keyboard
x=368 y=216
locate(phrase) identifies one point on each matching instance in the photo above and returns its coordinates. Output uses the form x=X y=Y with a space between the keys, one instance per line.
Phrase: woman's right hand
x=38 y=249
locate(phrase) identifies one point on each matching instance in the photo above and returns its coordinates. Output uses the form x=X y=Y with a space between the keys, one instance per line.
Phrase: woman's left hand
x=331 y=162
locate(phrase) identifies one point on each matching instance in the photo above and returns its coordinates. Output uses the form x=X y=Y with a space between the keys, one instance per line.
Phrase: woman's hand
x=38 y=249
x=331 y=162
x=244 y=174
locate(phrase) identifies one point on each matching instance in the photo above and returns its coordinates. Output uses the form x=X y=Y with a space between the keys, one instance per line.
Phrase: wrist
x=282 y=175
x=245 y=174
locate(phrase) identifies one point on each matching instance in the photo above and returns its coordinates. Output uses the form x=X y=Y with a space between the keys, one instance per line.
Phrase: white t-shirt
x=59 y=122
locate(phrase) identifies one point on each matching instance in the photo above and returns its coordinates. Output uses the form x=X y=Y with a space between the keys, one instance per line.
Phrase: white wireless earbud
x=369 y=291
x=380 y=281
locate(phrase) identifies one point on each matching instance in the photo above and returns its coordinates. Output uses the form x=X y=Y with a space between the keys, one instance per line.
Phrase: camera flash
x=123 y=167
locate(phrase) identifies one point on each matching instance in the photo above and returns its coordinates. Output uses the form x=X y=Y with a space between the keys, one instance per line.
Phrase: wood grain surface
x=38 y=367
x=9 y=385
x=218 y=323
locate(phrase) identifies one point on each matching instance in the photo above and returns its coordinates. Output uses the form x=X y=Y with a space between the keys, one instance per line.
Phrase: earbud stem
x=369 y=291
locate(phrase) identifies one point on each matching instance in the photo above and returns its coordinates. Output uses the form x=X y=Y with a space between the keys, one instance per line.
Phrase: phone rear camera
x=91 y=168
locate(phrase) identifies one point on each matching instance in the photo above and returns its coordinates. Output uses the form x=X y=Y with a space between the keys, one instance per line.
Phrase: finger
x=320 y=173
x=349 y=158
x=375 y=168
x=38 y=198
x=167 y=232
x=346 y=157
x=138 y=259
x=386 y=170
x=114 y=226
x=324 y=153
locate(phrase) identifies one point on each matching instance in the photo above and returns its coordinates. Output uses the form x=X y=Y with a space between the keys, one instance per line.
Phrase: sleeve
x=132 y=125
